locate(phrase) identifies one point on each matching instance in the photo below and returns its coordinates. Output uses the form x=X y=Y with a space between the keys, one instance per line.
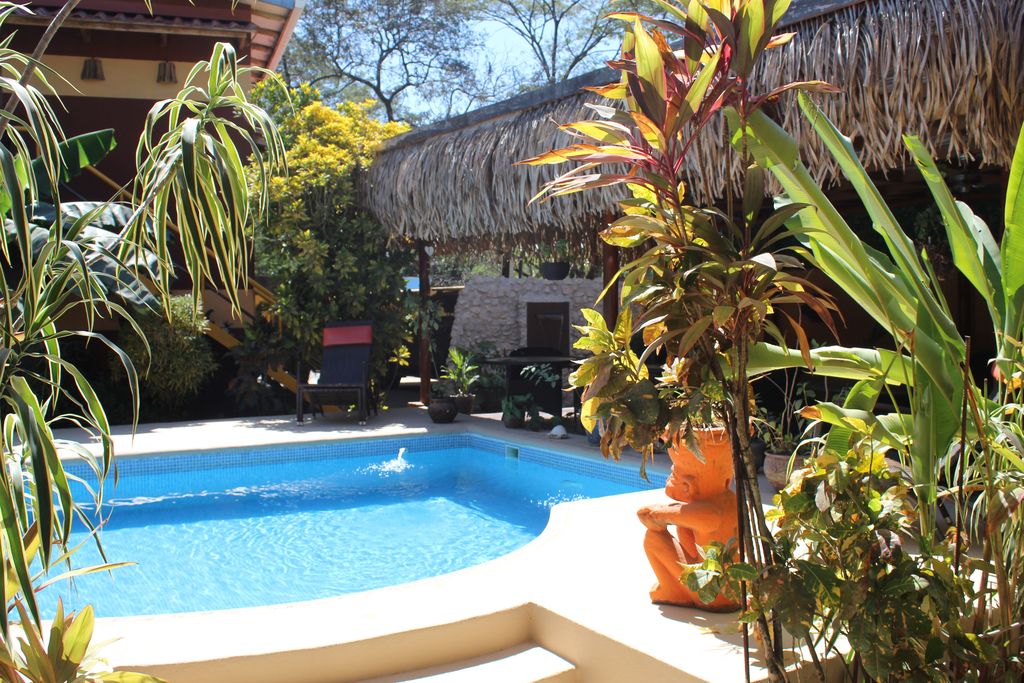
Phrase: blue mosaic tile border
x=190 y=461
x=193 y=462
x=627 y=474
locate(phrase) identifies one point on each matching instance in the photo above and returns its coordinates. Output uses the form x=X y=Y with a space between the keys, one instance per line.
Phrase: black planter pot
x=512 y=422
x=464 y=403
x=442 y=410
x=554 y=270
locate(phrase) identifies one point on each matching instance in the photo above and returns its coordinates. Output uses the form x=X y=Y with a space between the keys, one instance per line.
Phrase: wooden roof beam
x=285 y=35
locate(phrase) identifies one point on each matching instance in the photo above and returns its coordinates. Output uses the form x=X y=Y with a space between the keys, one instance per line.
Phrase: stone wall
x=493 y=309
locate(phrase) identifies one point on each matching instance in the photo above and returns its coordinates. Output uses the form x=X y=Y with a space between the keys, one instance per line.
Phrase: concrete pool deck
x=579 y=591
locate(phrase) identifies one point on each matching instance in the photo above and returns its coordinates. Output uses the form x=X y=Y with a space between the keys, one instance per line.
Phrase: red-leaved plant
x=710 y=281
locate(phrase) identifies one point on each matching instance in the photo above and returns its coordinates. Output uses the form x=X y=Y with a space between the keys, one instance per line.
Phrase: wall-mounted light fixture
x=92 y=70
x=166 y=73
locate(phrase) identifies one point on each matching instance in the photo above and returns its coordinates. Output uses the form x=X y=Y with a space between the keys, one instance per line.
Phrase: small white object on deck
x=558 y=432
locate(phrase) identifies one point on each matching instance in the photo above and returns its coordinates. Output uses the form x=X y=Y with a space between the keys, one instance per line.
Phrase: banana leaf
x=996 y=270
x=891 y=429
x=109 y=216
x=96 y=231
x=895 y=288
x=76 y=154
x=858 y=364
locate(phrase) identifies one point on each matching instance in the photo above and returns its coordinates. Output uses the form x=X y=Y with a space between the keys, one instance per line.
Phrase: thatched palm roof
x=950 y=71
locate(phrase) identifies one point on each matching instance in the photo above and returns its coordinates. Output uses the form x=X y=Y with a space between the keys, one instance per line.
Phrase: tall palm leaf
x=195 y=171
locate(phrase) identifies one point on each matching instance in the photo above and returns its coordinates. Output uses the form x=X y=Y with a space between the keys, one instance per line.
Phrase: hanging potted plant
x=555 y=265
x=462 y=373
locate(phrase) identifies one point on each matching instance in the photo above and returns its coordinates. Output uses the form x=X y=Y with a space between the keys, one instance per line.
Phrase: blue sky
x=506 y=48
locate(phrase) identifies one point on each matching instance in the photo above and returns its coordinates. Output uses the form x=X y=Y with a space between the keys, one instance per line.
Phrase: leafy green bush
x=179 y=359
x=323 y=255
x=841 y=521
x=842 y=574
x=251 y=390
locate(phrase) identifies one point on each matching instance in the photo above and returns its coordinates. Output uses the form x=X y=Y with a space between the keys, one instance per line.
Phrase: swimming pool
x=261 y=526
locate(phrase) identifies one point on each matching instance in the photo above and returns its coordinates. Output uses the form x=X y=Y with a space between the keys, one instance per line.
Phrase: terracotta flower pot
x=489 y=400
x=705 y=513
x=442 y=410
x=512 y=422
x=776 y=468
x=715 y=447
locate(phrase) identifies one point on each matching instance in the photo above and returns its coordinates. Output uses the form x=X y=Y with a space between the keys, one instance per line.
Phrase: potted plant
x=490 y=387
x=515 y=409
x=782 y=434
x=462 y=373
x=779 y=450
x=490 y=390
x=442 y=408
x=556 y=261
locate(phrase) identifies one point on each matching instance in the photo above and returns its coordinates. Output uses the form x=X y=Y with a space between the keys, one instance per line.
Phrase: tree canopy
x=431 y=59
x=563 y=38
x=398 y=52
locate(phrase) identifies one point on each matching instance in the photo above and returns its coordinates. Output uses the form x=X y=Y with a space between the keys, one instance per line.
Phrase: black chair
x=345 y=368
x=546 y=397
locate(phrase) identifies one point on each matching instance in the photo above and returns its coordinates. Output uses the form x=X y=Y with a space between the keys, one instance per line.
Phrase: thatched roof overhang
x=950 y=71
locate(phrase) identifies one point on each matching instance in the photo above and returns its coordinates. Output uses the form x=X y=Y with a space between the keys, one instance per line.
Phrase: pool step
x=527 y=663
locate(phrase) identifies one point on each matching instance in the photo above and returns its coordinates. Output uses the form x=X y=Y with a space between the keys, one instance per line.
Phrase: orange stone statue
x=706 y=512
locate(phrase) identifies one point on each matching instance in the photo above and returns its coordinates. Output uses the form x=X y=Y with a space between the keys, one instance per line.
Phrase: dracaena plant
x=709 y=283
x=95 y=259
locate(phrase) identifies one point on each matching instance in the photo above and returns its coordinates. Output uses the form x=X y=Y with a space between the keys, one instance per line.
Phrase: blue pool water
x=264 y=526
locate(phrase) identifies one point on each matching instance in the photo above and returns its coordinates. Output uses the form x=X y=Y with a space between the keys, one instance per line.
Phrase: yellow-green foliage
x=178 y=359
x=328 y=144
x=326 y=258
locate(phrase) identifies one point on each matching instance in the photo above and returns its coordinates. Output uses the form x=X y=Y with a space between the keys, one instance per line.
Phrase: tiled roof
x=40 y=13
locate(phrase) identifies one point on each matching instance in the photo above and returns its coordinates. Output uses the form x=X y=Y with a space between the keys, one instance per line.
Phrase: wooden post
x=424 y=332
x=610 y=261
x=506 y=265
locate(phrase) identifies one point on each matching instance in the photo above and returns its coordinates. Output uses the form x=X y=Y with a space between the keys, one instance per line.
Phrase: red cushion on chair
x=348 y=335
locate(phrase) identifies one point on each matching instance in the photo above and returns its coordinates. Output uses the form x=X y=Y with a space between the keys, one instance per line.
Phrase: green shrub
x=179 y=358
